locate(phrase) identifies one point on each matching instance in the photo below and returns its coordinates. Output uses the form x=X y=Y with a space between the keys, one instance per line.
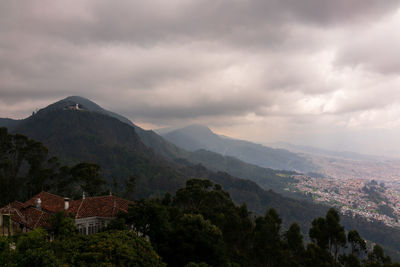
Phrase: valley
x=367 y=188
x=353 y=197
x=122 y=149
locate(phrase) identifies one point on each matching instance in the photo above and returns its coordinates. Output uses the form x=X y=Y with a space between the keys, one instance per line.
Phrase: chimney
x=38 y=203
x=66 y=203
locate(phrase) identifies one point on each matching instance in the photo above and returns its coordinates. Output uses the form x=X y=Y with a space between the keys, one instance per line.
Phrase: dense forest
x=98 y=153
x=28 y=167
x=198 y=226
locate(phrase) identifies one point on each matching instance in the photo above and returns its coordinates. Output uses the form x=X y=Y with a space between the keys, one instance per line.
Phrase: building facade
x=90 y=213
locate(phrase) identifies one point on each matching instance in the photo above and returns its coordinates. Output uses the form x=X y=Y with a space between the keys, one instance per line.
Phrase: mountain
x=148 y=137
x=90 y=134
x=195 y=137
x=9 y=123
x=77 y=135
x=276 y=180
x=267 y=178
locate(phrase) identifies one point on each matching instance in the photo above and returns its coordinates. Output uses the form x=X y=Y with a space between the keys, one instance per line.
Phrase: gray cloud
x=233 y=64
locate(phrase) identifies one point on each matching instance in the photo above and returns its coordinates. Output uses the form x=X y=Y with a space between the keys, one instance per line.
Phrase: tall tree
x=267 y=240
x=295 y=246
x=88 y=176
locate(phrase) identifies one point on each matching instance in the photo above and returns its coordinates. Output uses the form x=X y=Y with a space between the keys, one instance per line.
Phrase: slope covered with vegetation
x=198 y=226
x=195 y=137
x=85 y=136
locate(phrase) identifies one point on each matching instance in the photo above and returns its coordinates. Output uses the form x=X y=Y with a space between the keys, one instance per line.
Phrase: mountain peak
x=75 y=98
x=198 y=128
x=87 y=105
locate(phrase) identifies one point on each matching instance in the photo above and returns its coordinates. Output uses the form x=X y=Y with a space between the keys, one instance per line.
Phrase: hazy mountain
x=84 y=135
x=267 y=178
x=77 y=136
x=196 y=137
x=9 y=123
x=276 y=180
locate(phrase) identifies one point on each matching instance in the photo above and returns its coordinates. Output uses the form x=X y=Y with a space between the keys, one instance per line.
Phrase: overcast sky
x=316 y=72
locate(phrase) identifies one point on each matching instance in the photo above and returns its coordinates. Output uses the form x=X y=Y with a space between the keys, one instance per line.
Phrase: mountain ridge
x=195 y=137
x=82 y=135
x=266 y=178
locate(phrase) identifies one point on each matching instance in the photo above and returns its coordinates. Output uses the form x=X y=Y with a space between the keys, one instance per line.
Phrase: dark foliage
x=26 y=169
x=201 y=224
x=91 y=135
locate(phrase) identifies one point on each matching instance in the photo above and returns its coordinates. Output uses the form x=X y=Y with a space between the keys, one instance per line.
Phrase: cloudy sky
x=317 y=72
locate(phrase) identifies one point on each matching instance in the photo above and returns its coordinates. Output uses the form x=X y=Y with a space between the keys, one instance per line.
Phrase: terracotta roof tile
x=50 y=202
x=103 y=206
x=14 y=209
x=32 y=217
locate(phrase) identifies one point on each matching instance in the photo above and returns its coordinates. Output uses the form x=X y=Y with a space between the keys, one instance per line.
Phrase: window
x=90 y=230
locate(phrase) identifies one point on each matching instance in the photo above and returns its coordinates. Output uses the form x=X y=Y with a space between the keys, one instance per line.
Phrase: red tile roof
x=50 y=202
x=103 y=206
x=29 y=216
x=14 y=209
x=32 y=217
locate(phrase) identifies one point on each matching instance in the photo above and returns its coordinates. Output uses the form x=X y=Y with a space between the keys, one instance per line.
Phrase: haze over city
x=320 y=73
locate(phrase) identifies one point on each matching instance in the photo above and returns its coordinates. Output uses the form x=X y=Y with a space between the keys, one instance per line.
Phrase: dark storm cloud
x=228 y=61
x=149 y=22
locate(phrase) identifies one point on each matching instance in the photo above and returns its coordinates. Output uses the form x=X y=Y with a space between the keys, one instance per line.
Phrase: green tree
x=197 y=240
x=358 y=245
x=24 y=167
x=267 y=240
x=328 y=234
x=62 y=226
x=88 y=176
x=214 y=204
x=110 y=248
x=130 y=186
x=152 y=219
x=377 y=258
x=336 y=233
x=318 y=233
x=293 y=242
x=6 y=254
x=33 y=249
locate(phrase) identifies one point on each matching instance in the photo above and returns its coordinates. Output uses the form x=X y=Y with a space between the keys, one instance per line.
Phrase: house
x=90 y=213
x=73 y=107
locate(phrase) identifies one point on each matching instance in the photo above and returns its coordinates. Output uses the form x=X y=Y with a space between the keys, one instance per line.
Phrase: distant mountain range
x=35 y=127
x=195 y=137
x=93 y=134
x=90 y=132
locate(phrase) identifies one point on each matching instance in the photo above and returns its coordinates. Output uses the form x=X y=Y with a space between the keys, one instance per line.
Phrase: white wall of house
x=91 y=225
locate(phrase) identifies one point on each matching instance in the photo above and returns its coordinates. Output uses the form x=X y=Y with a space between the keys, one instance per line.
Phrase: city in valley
x=369 y=189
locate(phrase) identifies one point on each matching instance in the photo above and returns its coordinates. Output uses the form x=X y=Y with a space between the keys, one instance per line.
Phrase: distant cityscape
x=371 y=199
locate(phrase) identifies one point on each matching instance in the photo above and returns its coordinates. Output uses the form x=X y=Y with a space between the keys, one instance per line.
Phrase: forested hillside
x=195 y=137
x=84 y=136
x=198 y=226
